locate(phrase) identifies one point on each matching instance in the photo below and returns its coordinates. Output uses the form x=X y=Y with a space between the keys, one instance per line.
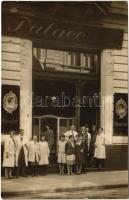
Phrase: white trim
x=106 y=116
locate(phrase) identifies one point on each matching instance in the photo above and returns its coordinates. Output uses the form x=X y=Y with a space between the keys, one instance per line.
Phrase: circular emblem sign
x=10 y=102
x=121 y=108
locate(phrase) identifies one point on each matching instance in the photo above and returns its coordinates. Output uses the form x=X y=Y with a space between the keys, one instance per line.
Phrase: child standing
x=70 y=154
x=43 y=155
x=61 y=154
x=79 y=154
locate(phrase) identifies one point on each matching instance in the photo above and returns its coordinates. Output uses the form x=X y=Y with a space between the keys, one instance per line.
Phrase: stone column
x=106 y=114
x=78 y=88
x=26 y=87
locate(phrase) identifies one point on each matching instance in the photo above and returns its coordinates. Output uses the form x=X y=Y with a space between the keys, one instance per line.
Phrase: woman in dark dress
x=70 y=154
x=79 y=154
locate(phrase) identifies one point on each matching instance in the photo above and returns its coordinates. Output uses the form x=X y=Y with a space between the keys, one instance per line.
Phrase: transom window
x=67 y=60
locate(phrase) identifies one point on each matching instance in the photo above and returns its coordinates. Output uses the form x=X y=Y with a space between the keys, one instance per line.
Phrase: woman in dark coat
x=79 y=154
x=70 y=154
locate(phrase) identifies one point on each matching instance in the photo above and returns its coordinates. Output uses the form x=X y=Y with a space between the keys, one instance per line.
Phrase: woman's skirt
x=61 y=158
x=100 y=152
x=79 y=159
x=70 y=159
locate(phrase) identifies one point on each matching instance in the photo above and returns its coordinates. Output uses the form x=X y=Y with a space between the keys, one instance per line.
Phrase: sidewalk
x=56 y=183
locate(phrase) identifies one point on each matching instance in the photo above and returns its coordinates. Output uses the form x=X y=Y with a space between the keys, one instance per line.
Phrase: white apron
x=33 y=151
x=43 y=153
x=9 y=148
x=100 y=146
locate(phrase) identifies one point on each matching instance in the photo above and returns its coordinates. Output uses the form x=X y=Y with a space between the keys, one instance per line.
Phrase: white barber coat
x=68 y=133
x=19 y=144
x=33 y=151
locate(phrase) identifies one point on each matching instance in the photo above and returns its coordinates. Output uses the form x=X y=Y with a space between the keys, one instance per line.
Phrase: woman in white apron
x=9 y=155
x=100 y=147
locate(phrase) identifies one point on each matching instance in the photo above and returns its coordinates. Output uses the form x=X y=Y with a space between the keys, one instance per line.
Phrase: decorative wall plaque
x=10 y=108
x=120 y=114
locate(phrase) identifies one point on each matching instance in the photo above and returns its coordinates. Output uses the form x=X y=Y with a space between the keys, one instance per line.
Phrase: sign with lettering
x=120 y=114
x=68 y=34
x=10 y=108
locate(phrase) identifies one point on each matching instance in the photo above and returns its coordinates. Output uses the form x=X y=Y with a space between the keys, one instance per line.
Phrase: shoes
x=24 y=176
x=62 y=173
x=6 y=177
x=11 y=177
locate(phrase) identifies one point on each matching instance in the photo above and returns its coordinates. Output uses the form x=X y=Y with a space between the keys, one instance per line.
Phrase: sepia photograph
x=64 y=99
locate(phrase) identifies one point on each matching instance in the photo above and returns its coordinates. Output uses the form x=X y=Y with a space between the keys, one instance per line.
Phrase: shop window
x=85 y=62
x=89 y=61
x=74 y=59
x=39 y=53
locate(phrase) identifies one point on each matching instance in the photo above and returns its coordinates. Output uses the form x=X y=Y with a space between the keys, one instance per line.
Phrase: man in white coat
x=100 y=147
x=9 y=155
x=21 y=154
x=33 y=158
x=44 y=153
x=72 y=131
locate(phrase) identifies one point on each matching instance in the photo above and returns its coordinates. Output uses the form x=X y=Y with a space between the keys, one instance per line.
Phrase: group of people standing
x=75 y=150
x=81 y=150
x=19 y=153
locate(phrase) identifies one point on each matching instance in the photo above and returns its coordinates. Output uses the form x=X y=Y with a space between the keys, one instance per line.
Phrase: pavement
x=52 y=183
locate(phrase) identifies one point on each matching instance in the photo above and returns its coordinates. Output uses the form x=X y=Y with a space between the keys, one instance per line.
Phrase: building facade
x=75 y=50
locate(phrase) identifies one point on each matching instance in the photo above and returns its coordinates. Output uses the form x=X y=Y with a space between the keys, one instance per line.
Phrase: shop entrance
x=54 y=105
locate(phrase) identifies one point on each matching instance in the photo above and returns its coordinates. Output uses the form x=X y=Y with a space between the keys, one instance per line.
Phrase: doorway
x=49 y=97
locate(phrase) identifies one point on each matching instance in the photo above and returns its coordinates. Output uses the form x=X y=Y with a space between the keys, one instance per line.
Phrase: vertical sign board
x=120 y=114
x=10 y=108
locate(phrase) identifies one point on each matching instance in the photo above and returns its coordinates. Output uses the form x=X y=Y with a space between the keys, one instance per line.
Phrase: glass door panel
x=52 y=123
x=36 y=127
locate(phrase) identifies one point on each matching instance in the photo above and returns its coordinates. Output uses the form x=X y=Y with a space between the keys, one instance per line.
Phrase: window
x=73 y=59
x=37 y=53
x=68 y=60
x=86 y=61
x=89 y=61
